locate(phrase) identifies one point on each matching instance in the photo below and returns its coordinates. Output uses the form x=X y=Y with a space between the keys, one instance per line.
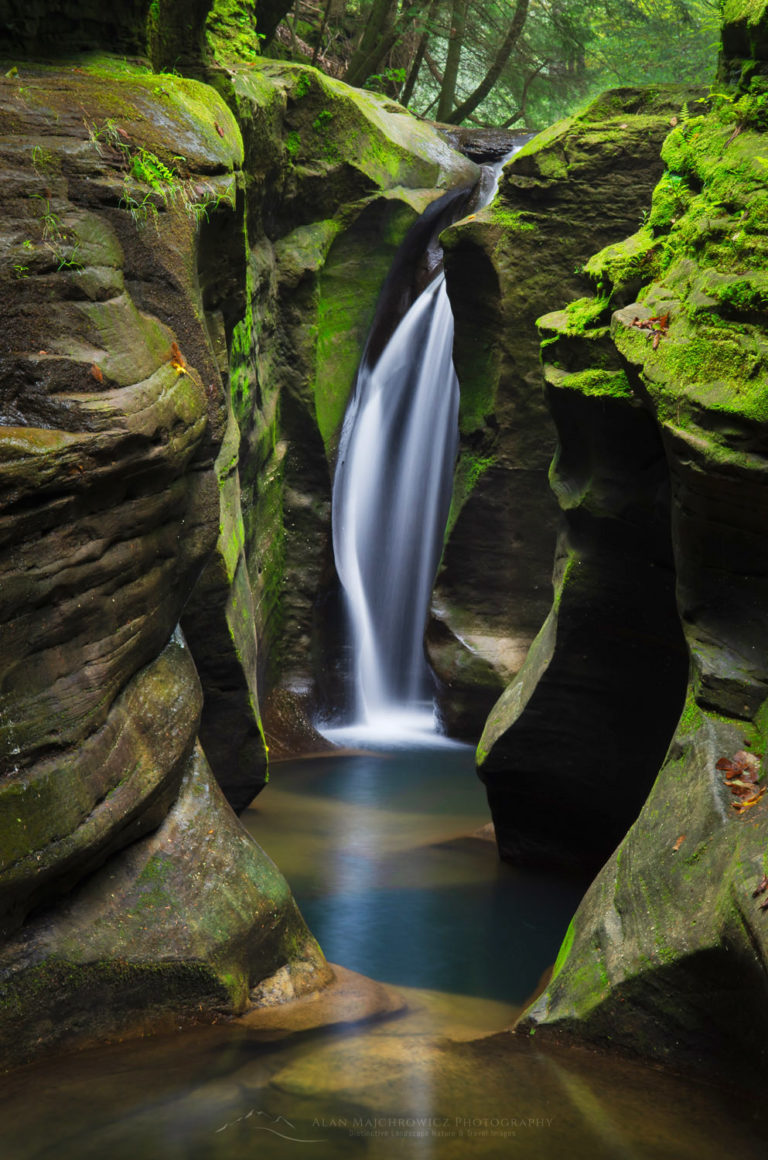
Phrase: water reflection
x=419 y=900
x=393 y=883
x=217 y=1095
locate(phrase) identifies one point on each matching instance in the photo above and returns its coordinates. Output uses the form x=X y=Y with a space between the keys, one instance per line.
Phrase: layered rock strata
x=185 y=296
x=127 y=888
x=667 y=954
x=580 y=184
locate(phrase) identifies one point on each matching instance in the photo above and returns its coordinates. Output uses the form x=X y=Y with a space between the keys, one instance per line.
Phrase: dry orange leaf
x=678 y=843
x=746 y=803
x=96 y=373
x=177 y=360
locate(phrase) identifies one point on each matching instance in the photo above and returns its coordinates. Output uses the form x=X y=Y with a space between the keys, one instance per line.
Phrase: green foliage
x=383 y=82
x=149 y=169
x=57 y=238
x=149 y=183
x=568 y=50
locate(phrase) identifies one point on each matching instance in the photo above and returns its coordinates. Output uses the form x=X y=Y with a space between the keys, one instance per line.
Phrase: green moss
x=303 y=85
x=516 y=220
x=565 y=949
x=293 y=145
x=585 y=314
x=743 y=295
x=596 y=383
x=348 y=287
x=624 y=265
x=671 y=198
x=231 y=31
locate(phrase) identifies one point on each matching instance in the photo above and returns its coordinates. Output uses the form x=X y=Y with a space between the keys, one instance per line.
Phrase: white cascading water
x=391 y=495
x=390 y=502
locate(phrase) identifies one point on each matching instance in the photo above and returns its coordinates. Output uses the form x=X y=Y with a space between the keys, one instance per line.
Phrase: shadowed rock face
x=666 y=956
x=600 y=692
x=572 y=189
x=113 y=413
x=175 y=34
x=169 y=402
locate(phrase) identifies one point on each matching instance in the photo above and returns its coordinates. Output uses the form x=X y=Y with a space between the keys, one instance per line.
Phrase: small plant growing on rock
x=57 y=238
x=148 y=182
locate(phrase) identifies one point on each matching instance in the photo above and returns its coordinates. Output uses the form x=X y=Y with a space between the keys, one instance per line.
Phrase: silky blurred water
x=376 y=848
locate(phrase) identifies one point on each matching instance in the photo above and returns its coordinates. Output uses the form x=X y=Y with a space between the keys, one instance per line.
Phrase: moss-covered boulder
x=179 y=926
x=572 y=189
x=119 y=192
x=666 y=955
x=333 y=179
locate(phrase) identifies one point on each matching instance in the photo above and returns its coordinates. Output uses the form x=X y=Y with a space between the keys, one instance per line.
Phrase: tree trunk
x=418 y=59
x=380 y=20
x=365 y=64
x=453 y=56
x=494 y=72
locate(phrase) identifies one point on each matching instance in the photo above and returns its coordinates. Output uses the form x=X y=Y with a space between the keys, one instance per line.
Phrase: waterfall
x=390 y=503
x=392 y=487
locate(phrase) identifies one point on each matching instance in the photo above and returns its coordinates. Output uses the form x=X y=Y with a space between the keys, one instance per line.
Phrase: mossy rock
x=664 y=958
x=154 y=938
x=575 y=188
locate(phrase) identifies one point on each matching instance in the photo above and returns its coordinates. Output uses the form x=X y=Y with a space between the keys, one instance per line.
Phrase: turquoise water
x=379 y=852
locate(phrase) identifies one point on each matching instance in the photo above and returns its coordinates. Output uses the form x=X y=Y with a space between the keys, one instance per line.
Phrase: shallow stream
x=380 y=854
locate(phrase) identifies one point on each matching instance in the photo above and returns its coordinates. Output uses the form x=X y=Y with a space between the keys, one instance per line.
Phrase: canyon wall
x=187 y=279
x=659 y=386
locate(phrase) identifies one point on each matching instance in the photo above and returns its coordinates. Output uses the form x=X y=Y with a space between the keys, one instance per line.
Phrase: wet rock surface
x=666 y=955
x=570 y=190
x=114 y=417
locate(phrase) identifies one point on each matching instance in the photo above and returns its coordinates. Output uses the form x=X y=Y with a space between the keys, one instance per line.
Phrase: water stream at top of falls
x=392 y=492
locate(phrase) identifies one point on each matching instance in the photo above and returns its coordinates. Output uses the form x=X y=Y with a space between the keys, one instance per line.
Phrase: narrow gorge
x=308 y=448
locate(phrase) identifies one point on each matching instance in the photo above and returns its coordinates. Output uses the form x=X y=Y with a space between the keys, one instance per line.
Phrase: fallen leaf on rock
x=177 y=360
x=678 y=843
x=218 y=128
x=747 y=803
x=741 y=788
x=96 y=373
x=657 y=327
x=741 y=763
x=741 y=776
